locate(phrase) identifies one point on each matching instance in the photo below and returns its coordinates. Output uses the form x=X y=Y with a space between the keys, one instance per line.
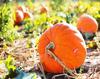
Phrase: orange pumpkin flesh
x=69 y=48
x=87 y=23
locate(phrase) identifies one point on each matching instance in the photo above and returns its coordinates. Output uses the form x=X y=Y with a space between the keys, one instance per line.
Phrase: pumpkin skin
x=19 y=16
x=21 y=8
x=69 y=48
x=25 y=11
x=87 y=23
x=43 y=9
x=27 y=15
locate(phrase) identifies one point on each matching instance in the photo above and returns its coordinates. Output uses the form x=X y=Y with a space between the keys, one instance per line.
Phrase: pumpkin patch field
x=49 y=39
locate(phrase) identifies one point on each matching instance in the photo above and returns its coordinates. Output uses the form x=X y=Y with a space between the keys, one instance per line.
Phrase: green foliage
x=57 y=4
x=29 y=25
x=7 y=30
x=10 y=64
x=41 y=23
x=5 y=1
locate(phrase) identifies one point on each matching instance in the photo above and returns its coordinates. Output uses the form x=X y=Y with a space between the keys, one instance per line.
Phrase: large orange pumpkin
x=69 y=47
x=87 y=23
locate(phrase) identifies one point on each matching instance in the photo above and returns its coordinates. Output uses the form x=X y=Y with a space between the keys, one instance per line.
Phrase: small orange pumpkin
x=69 y=48
x=27 y=15
x=19 y=16
x=87 y=23
x=43 y=9
x=25 y=11
x=21 y=8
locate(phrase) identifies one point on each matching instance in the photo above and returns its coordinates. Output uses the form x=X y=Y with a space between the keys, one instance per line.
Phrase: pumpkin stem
x=48 y=51
x=50 y=45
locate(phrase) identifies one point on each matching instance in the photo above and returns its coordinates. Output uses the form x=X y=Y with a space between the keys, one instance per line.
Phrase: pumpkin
x=19 y=16
x=25 y=11
x=87 y=23
x=69 y=47
x=21 y=8
x=43 y=9
x=27 y=15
